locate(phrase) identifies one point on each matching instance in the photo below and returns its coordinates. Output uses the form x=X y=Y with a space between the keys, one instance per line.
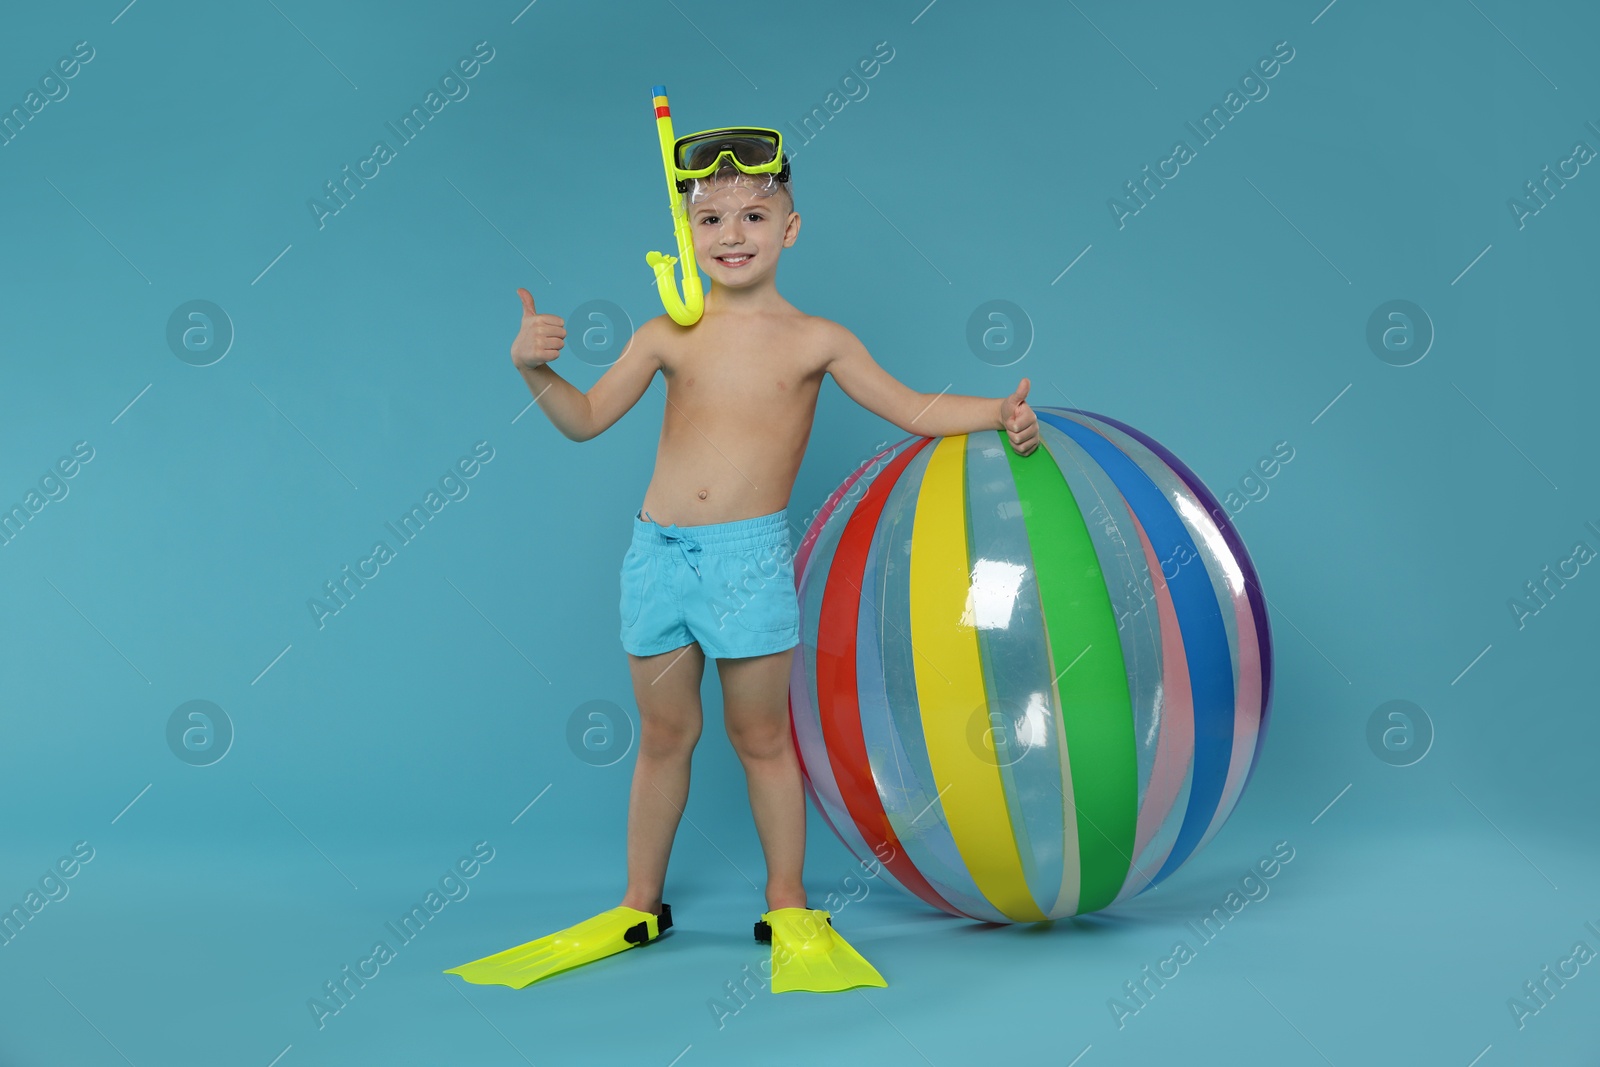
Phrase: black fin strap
x=764 y=930
x=639 y=933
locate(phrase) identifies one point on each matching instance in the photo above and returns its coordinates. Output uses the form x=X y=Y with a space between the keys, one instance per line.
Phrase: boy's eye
x=754 y=216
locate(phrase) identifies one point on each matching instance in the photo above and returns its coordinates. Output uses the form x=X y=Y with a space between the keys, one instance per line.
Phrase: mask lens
x=750 y=150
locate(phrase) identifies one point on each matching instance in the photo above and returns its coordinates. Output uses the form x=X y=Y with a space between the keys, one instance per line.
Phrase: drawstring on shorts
x=688 y=544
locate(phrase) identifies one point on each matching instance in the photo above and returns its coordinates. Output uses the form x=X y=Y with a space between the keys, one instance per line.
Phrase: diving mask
x=750 y=150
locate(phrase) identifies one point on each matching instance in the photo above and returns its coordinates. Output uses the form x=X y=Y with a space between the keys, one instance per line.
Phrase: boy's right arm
x=580 y=416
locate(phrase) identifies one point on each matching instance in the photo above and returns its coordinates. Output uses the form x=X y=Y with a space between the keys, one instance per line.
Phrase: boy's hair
x=699 y=188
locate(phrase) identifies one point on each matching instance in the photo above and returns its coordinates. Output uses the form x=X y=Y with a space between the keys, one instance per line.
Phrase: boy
x=717 y=579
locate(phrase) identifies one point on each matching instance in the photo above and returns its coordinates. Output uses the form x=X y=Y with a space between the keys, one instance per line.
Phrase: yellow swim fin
x=807 y=954
x=604 y=935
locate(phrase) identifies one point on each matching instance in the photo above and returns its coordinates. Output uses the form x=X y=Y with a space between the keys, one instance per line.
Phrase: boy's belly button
x=702 y=494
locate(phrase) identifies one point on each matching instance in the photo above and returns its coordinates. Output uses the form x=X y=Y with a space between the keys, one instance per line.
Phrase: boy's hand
x=1022 y=425
x=539 y=340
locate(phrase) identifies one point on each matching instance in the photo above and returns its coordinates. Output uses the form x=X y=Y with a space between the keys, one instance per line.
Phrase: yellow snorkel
x=687 y=309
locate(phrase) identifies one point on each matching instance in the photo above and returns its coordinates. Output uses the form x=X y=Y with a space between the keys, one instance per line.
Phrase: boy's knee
x=759 y=740
x=664 y=738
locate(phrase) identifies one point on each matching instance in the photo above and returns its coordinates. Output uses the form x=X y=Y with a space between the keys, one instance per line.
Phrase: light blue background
x=1227 y=315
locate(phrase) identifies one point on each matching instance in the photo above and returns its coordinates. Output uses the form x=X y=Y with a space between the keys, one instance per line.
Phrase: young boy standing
x=710 y=570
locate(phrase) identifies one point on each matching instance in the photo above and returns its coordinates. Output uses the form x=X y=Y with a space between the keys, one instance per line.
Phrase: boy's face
x=737 y=234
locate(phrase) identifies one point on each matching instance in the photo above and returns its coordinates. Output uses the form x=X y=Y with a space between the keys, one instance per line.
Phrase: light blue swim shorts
x=727 y=585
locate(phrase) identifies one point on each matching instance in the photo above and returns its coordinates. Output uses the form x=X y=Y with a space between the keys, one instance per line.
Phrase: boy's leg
x=667 y=690
x=755 y=697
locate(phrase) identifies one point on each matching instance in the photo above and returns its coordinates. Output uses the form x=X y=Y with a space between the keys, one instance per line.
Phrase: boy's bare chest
x=771 y=371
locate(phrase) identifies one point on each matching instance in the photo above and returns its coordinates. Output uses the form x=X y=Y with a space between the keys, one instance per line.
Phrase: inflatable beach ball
x=1030 y=686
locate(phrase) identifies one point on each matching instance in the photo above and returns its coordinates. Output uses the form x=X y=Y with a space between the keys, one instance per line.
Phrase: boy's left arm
x=930 y=415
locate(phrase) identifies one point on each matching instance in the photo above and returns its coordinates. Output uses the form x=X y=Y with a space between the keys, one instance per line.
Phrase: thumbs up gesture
x=1021 y=424
x=539 y=340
